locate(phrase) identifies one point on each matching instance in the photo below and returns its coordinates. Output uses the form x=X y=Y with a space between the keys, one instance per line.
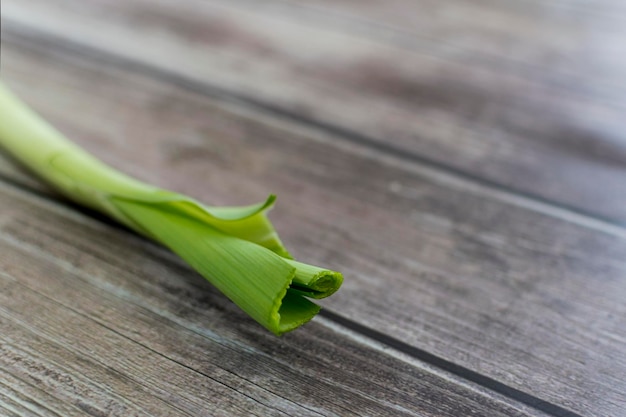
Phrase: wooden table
x=462 y=162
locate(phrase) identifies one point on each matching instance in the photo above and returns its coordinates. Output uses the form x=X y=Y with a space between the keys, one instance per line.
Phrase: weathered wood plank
x=557 y=38
x=146 y=318
x=77 y=379
x=182 y=388
x=528 y=295
x=11 y=410
x=551 y=126
x=11 y=406
x=34 y=398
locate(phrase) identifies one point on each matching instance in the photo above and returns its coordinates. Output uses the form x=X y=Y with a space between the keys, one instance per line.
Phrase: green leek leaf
x=235 y=248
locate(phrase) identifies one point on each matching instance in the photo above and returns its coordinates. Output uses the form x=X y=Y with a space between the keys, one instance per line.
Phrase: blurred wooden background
x=463 y=163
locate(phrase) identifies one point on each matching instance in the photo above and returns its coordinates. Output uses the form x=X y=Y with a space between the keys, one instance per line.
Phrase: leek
x=235 y=248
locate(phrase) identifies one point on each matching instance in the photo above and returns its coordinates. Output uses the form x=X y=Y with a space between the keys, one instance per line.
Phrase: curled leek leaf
x=235 y=248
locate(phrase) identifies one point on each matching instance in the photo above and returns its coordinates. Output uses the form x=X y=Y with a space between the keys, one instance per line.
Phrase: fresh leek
x=235 y=248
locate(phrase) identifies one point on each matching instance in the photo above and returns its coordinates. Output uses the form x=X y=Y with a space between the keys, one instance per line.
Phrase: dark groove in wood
x=451 y=367
x=70 y=47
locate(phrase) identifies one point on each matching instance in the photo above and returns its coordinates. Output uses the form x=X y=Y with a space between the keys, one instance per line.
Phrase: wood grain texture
x=113 y=325
x=526 y=294
x=33 y=399
x=520 y=94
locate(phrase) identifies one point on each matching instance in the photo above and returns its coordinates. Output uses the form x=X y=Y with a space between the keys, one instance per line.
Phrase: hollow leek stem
x=235 y=248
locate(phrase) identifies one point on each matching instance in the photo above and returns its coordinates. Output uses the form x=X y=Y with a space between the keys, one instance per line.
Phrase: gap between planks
x=448 y=366
x=370 y=147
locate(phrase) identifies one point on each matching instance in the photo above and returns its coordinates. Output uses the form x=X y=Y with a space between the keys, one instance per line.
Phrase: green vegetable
x=235 y=248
